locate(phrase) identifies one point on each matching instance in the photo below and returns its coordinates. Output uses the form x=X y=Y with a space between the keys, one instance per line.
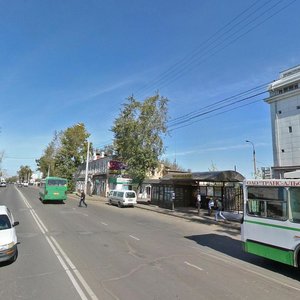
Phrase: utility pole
x=254 y=160
x=87 y=167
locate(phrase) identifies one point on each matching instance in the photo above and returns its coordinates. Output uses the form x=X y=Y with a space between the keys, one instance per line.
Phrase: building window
x=279 y=112
x=290 y=129
x=298 y=106
x=282 y=150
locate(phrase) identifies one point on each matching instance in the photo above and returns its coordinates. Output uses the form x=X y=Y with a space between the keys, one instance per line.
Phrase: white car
x=8 y=237
x=122 y=198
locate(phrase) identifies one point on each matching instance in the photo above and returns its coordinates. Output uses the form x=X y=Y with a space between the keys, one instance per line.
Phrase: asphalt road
x=104 y=252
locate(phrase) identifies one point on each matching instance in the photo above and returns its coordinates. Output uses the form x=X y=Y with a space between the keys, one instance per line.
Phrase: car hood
x=7 y=236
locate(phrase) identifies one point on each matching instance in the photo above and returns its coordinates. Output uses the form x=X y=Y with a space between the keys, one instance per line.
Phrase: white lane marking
x=104 y=224
x=133 y=237
x=73 y=280
x=39 y=220
x=194 y=266
x=56 y=248
x=77 y=273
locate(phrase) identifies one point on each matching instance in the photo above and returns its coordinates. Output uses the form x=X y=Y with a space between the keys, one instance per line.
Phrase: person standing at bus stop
x=82 y=199
x=198 y=204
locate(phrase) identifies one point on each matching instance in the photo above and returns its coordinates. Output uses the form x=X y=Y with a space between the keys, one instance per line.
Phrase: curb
x=198 y=219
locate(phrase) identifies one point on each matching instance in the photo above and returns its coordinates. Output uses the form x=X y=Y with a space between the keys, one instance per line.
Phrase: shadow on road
x=233 y=248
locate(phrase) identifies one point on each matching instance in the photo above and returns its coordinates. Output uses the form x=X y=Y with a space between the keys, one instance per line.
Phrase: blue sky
x=64 y=62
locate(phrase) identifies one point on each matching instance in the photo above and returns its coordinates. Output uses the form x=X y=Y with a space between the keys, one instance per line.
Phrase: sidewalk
x=188 y=213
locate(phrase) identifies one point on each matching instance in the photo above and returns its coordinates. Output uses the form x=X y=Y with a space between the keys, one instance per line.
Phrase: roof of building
x=213 y=176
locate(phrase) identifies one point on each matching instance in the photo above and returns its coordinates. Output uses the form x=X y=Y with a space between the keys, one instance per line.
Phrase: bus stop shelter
x=225 y=185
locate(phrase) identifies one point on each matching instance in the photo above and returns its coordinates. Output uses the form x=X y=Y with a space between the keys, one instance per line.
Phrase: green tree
x=72 y=152
x=138 y=135
x=172 y=166
x=24 y=173
x=46 y=164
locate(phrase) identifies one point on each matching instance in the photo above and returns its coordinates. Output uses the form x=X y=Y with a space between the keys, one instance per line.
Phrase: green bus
x=53 y=189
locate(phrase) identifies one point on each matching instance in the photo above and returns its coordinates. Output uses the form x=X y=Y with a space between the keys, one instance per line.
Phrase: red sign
x=115 y=165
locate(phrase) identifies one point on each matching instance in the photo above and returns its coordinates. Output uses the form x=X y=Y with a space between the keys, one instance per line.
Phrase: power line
x=215 y=49
x=193 y=60
x=195 y=52
x=231 y=98
x=213 y=115
x=206 y=112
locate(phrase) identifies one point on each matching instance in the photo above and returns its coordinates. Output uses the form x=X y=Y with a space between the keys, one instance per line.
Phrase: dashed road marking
x=134 y=237
x=194 y=266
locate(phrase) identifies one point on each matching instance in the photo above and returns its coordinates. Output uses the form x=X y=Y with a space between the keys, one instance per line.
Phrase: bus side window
x=256 y=208
x=277 y=210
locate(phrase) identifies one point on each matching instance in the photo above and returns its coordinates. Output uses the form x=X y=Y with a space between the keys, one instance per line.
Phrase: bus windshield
x=57 y=182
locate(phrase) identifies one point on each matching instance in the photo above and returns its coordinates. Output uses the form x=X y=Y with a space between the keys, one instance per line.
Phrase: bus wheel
x=298 y=261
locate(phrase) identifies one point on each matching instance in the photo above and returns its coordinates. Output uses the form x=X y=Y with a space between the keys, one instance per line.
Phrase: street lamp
x=87 y=167
x=254 y=161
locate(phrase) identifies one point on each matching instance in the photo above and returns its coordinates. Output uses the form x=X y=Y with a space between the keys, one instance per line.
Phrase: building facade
x=103 y=174
x=284 y=101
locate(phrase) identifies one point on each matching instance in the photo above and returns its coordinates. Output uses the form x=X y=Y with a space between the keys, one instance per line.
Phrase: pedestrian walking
x=82 y=199
x=218 y=210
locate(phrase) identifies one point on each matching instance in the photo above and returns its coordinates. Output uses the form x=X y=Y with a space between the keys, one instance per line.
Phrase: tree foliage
x=24 y=173
x=46 y=164
x=172 y=166
x=65 y=153
x=138 y=135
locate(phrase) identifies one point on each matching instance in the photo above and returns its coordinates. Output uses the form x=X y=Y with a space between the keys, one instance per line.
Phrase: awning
x=214 y=176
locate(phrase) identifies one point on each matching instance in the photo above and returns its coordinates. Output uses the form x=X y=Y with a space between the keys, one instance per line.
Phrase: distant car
x=8 y=237
x=2 y=184
x=25 y=183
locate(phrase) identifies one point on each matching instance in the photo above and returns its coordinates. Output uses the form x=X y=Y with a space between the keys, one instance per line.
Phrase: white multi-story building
x=284 y=100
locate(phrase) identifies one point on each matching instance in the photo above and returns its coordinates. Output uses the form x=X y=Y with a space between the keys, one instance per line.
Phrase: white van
x=122 y=198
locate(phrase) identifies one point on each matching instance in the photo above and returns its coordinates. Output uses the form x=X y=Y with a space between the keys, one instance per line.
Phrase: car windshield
x=4 y=222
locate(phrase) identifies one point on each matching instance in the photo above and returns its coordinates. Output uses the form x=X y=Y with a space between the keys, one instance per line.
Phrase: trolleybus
x=271 y=221
x=53 y=189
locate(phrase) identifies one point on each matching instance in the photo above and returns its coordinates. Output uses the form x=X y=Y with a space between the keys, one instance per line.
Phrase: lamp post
x=87 y=167
x=254 y=161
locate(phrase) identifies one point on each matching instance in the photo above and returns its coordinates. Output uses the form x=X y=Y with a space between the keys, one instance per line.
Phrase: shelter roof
x=213 y=176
